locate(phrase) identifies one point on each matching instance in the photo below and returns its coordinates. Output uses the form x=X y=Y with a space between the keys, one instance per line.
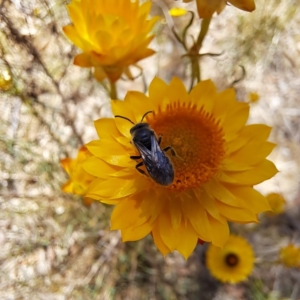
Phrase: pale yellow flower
x=79 y=179
x=113 y=35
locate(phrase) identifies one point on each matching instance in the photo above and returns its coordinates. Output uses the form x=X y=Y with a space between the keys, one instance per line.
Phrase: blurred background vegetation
x=54 y=247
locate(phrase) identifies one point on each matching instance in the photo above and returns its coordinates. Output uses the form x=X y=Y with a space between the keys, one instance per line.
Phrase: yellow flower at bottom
x=290 y=256
x=113 y=34
x=232 y=263
x=217 y=163
x=79 y=179
x=206 y=8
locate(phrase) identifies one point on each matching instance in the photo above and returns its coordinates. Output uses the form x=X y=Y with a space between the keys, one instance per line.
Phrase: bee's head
x=139 y=127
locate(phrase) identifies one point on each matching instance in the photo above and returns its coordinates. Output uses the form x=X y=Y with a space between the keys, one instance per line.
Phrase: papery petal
x=184 y=239
x=219 y=231
x=159 y=241
x=256 y=175
x=236 y=214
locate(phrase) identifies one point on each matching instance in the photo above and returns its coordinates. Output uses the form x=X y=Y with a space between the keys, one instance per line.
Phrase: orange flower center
x=197 y=139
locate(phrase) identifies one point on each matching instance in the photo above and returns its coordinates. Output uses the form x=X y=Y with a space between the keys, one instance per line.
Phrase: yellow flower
x=5 y=80
x=177 y=12
x=206 y=8
x=216 y=166
x=276 y=202
x=232 y=263
x=290 y=256
x=79 y=178
x=253 y=97
x=113 y=34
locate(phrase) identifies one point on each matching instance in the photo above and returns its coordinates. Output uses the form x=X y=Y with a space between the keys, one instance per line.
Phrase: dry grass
x=52 y=246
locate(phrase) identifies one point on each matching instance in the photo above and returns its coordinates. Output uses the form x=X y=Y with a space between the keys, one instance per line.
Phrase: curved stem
x=113 y=90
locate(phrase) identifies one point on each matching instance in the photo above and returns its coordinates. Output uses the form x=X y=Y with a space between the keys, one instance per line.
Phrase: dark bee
x=157 y=163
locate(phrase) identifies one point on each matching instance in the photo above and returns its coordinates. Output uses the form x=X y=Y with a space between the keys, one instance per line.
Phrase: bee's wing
x=156 y=162
x=146 y=154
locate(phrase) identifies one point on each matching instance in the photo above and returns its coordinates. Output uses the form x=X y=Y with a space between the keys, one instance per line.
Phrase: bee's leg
x=171 y=149
x=140 y=170
x=135 y=157
x=159 y=139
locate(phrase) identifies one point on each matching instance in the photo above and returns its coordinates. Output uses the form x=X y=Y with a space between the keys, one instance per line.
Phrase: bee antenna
x=124 y=118
x=148 y=112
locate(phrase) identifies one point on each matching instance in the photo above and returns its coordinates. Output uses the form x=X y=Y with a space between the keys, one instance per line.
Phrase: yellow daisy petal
x=220 y=192
x=97 y=167
x=176 y=91
x=159 y=242
x=101 y=126
x=123 y=109
x=184 y=238
x=66 y=164
x=210 y=176
x=236 y=214
x=152 y=204
x=255 y=131
x=68 y=187
x=71 y=32
x=124 y=126
x=198 y=218
x=135 y=233
x=157 y=90
x=251 y=198
x=262 y=171
x=116 y=188
x=108 y=146
x=224 y=103
x=219 y=231
x=246 y=153
x=207 y=202
x=240 y=114
x=202 y=94
x=83 y=60
x=127 y=221
x=140 y=102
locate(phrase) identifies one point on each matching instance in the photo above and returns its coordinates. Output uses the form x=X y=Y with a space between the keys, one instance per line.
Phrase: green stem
x=194 y=52
x=204 y=29
x=113 y=91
